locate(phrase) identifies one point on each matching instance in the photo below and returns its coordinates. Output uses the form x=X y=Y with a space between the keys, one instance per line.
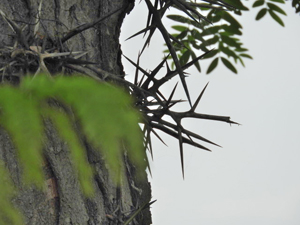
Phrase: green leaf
x=66 y=131
x=181 y=35
x=228 y=65
x=213 y=65
x=103 y=112
x=203 y=47
x=237 y=4
x=210 y=54
x=230 y=19
x=246 y=56
x=231 y=29
x=280 y=1
x=20 y=117
x=211 y=30
x=228 y=51
x=184 y=57
x=229 y=41
x=274 y=7
x=212 y=41
x=241 y=50
x=180 y=19
x=214 y=17
x=190 y=38
x=258 y=3
x=197 y=65
x=261 y=14
x=276 y=18
x=180 y=28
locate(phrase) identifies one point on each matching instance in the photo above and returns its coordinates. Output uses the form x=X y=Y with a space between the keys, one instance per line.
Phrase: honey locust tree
x=62 y=37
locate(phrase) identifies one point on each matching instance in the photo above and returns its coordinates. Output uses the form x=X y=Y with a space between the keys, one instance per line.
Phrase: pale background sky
x=255 y=177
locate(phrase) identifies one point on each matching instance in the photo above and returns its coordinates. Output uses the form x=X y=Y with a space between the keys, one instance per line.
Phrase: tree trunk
x=63 y=201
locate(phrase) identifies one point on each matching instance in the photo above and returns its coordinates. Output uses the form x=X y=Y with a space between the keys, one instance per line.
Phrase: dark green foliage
x=296 y=5
x=271 y=8
x=222 y=33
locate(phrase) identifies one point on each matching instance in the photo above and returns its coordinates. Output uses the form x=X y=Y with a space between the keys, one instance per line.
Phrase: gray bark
x=62 y=202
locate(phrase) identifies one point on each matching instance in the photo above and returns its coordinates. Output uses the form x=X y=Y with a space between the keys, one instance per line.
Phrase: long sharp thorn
x=185 y=7
x=175 y=135
x=161 y=95
x=177 y=41
x=171 y=96
x=140 y=32
x=181 y=150
x=140 y=69
x=168 y=67
x=141 y=81
x=187 y=132
x=148 y=141
x=198 y=99
x=156 y=134
x=147 y=42
x=186 y=66
x=148 y=165
x=153 y=73
x=160 y=65
x=137 y=70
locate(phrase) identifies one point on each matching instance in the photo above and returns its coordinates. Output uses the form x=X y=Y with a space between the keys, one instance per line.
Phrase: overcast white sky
x=255 y=177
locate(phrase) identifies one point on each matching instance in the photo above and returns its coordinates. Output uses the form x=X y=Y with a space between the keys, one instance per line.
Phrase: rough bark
x=63 y=202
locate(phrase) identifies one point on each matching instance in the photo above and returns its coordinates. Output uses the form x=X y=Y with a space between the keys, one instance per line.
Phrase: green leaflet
x=261 y=14
x=211 y=54
x=213 y=65
x=275 y=17
x=179 y=28
x=20 y=116
x=276 y=8
x=279 y=1
x=230 y=41
x=258 y=3
x=228 y=65
x=184 y=57
x=230 y=19
x=66 y=130
x=246 y=56
x=237 y=4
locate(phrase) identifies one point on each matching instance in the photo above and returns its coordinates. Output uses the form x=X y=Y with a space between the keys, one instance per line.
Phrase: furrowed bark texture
x=63 y=203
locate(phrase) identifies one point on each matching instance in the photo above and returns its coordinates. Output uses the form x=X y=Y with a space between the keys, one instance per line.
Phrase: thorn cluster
x=149 y=84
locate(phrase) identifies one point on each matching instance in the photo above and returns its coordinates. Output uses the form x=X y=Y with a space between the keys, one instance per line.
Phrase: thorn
x=198 y=99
